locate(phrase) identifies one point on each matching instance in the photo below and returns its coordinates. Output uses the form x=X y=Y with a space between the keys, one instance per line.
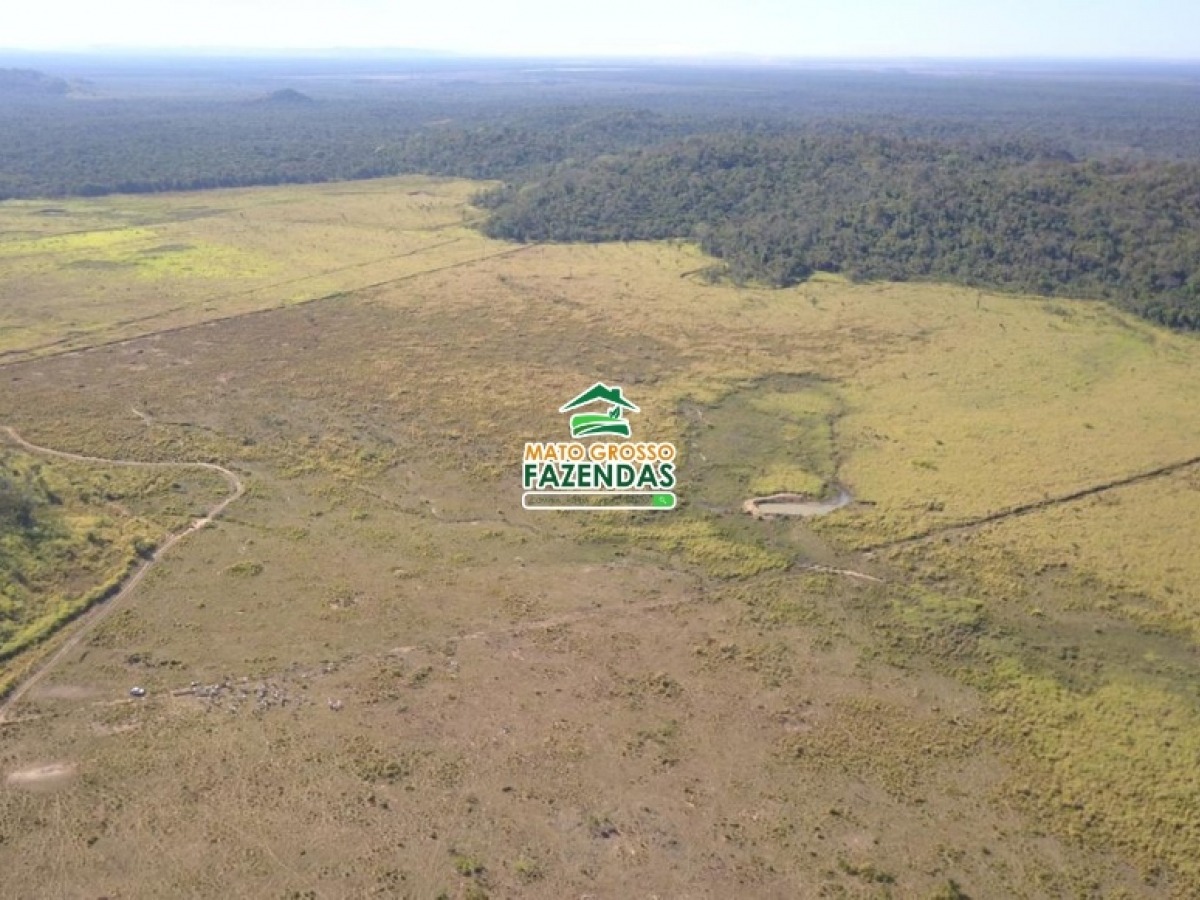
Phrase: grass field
x=377 y=675
x=74 y=273
x=91 y=525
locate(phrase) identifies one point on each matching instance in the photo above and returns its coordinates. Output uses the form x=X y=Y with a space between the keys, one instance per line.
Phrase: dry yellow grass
x=529 y=711
x=92 y=272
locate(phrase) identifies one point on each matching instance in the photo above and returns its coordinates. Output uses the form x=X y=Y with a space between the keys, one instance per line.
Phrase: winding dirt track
x=93 y=617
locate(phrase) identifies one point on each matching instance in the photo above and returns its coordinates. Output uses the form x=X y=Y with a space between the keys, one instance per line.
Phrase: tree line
x=1058 y=187
x=777 y=208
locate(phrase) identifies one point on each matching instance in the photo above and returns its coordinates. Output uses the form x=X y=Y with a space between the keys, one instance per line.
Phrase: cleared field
x=378 y=675
x=74 y=273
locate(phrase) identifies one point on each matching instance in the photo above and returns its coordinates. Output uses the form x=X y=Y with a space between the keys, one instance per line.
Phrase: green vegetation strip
x=93 y=603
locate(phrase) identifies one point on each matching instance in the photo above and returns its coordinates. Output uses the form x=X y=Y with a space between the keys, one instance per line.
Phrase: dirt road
x=93 y=617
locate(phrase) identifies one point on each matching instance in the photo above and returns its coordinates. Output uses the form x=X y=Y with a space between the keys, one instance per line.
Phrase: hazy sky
x=1165 y=29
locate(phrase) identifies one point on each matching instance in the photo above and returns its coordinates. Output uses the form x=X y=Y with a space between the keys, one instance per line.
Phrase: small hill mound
x=30 y=82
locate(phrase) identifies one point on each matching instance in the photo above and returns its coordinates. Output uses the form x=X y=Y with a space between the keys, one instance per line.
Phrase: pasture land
x=376 y=675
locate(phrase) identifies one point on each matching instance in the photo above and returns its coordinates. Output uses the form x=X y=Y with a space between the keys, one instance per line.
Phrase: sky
x=1092 y=29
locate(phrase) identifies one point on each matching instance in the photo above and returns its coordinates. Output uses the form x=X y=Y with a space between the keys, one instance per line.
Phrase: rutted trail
x=93 y=617
x=1036 y=505
x=30 y=354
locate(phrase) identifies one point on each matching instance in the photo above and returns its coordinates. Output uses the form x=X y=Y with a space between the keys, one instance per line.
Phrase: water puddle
x=796 y=505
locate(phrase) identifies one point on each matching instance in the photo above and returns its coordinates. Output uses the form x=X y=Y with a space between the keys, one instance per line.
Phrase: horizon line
x=109 y=50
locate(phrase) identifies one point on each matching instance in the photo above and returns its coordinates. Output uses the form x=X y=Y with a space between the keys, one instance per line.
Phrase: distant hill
x=287 y=96
x=31 y=82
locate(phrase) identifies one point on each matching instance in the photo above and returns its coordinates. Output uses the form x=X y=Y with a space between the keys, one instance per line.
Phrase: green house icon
x=610 y=422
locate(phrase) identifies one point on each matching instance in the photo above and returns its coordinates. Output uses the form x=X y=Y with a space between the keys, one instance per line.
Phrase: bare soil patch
x=39 y=776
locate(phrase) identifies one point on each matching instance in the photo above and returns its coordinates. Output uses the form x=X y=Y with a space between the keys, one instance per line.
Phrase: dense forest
x=777 y=209
x=110 y=148
x=1079 y=184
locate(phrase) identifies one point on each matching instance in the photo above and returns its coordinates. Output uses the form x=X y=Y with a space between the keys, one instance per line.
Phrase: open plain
x=374 y=674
